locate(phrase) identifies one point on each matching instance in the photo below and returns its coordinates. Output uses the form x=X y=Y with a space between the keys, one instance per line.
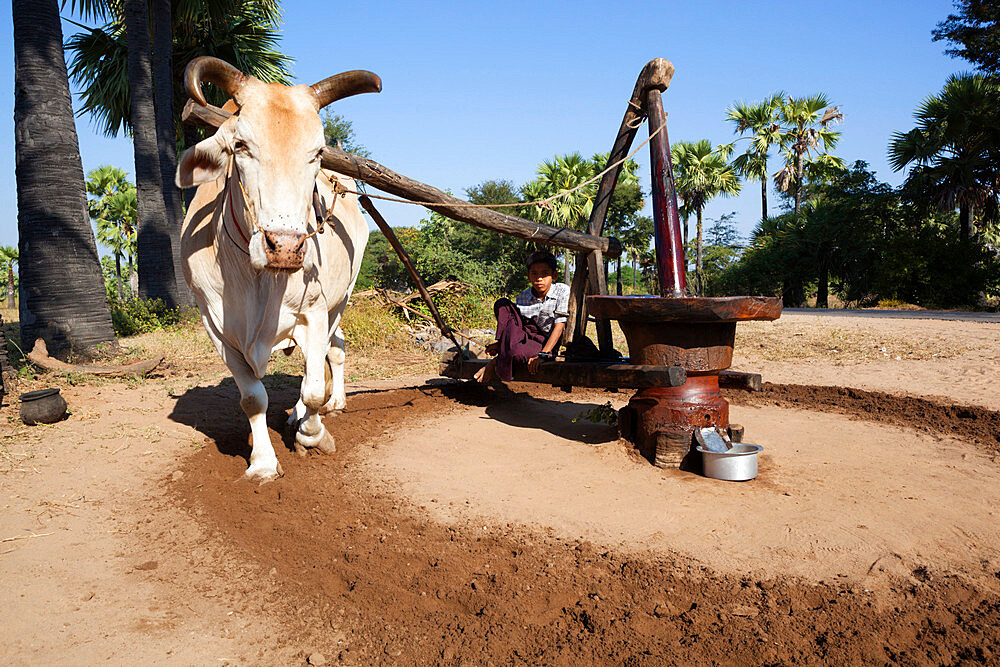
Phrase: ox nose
x=284 y=251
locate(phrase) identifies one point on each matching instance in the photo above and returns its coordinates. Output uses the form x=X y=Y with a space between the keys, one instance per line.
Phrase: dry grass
x=794 y=339
x=378 y=347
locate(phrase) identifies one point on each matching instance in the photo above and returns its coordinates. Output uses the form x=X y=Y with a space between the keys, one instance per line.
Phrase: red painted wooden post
x=666 y=219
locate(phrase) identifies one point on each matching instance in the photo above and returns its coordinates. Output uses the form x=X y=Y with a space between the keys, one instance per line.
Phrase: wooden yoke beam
x=385 y=179
x=589 y=274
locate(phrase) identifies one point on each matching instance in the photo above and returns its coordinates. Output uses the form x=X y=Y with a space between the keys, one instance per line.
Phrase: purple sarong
x=520 y=339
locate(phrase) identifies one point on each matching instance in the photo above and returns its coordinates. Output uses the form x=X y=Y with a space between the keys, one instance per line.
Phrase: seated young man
x=529 y=330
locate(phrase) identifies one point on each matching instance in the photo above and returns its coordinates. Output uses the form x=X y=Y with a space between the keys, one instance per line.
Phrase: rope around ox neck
x=320 y=221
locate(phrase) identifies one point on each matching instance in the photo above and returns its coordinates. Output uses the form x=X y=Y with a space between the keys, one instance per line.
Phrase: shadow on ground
x=215 y=410
x=216 y=413
x=521 y=409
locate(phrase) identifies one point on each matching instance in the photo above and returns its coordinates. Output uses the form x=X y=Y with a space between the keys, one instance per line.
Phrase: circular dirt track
x=334 y=559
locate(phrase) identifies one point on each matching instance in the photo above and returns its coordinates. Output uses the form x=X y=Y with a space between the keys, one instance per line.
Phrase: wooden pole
x=666 y=221
x=385 y=179
x=656 y=75
x=390 y=236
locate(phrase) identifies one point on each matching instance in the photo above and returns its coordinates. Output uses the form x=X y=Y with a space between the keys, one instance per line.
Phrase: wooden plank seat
x=598 y=374
x=604 y=374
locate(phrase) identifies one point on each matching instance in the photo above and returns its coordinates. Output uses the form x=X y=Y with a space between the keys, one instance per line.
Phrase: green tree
x=760 y=120
x=8 y=256
x=955 y=148
x=805 y=128
x=701 y=174
x=114 y=210
x=62 y=294
x=723 y=246
x=339 y=131
x=636 y=242
x=974 y=33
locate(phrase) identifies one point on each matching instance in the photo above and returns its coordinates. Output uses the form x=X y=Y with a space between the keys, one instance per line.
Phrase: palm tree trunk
x=964 y=223
x=118 y=273
x=799 y=172
x=823 y=282
x=166 y=134
x=63 y=300
x=618 y=278
x=633 y=274
x=763 y=197
x=157 y=273
x=133 y=279
x=686 y=229
x=697 y=255
x=10 y=285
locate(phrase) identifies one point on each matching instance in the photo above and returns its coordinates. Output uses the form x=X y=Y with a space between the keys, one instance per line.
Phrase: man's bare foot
x=487 y=373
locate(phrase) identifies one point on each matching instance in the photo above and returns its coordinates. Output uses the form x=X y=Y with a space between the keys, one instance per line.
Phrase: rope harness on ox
x=322 y=217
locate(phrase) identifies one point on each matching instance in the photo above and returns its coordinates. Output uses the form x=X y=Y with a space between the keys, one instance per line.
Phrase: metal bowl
x=739 y=464
x=44 y=406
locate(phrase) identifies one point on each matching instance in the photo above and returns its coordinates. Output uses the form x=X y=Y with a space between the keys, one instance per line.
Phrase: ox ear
x=202 y=163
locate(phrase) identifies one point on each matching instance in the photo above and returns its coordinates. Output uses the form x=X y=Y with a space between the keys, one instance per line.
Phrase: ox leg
x=264 y=465
x=335 y=358
x=314 y=394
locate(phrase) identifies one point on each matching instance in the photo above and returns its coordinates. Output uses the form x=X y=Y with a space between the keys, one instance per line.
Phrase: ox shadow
x=522 y=410
x=215 y=412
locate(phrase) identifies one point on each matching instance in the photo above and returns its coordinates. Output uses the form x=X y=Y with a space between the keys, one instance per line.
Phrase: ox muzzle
x=284 y=251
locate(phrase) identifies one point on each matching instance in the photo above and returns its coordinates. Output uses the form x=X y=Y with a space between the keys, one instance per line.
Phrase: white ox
x=263 y=281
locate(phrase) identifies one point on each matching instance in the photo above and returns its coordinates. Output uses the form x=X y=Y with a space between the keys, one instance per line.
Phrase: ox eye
x=239 y=145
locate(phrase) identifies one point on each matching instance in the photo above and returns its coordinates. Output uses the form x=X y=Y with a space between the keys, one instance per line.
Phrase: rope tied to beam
x=542 y=203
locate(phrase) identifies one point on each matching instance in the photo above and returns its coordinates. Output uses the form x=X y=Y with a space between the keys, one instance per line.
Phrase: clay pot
x=44 y=406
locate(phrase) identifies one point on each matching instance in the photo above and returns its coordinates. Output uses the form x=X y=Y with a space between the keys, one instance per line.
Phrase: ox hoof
x=326 y=443
x=322 y=441
x=263 y=473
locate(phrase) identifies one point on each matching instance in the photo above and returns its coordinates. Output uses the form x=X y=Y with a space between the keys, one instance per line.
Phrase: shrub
x=471 y=309
x=131 y=317
x=369 y=326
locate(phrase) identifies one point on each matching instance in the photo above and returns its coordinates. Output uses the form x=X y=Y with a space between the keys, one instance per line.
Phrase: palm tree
x=62 y=292
x=761 y=121
x=241 y=32
x=953 y=148
x=8 y=255
x=115 y=212
x=805 y=124
x=701 y=174
x=556 y=176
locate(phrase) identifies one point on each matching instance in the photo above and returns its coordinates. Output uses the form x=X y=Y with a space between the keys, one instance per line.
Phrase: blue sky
x=473 y=91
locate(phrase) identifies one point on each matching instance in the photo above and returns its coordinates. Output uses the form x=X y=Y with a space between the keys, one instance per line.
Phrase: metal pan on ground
x=737 y=464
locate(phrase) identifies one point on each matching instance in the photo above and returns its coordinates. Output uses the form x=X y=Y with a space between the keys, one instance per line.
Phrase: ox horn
x=345 y=84
x=213 y=70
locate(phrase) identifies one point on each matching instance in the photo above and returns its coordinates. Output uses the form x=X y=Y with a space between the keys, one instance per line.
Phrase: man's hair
x=543 y=257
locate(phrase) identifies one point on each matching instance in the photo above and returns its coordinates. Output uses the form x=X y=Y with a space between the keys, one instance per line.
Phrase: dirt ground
x=463 y=525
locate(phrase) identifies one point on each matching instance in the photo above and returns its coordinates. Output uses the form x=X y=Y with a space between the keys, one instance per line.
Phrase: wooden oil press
x=679 y=346
x=694 y=333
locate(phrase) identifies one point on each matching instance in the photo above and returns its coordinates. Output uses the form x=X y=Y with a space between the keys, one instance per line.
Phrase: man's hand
x=493 y=349
x=533 y=365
